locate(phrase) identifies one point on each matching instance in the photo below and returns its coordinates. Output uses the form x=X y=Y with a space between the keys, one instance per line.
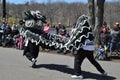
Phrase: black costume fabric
x=82 y=33
x=31 y=50
x=34 y=33
x=33 y=22
x=80 y=56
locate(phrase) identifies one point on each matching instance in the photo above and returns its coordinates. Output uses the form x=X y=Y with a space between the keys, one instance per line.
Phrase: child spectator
x=46 y=29
x=20 y=42
x=101 y=53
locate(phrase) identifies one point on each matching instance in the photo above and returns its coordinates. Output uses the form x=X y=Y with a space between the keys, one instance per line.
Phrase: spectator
x=101 y=53
x=115 y=34
x=0 y=37
x=63 y=31
x=8 y=38
x=13 y=26
x=62 y=34
x=3 y=27
x=8 y=30
x=105 y=37
x=22 y=23
x=46 y=28
x=118 y=25
x=57 y=28
x=15 y=30
x=20 y=42
x=103 y=27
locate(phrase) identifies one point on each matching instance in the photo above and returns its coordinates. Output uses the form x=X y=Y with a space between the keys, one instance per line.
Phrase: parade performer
x=35 y=35
x=36 y=19
x=85 y=50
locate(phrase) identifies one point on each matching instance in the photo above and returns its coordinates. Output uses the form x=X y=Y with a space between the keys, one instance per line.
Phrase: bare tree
x=99 y=18
x=91 y=12
x=66 y=13
x=49 y=12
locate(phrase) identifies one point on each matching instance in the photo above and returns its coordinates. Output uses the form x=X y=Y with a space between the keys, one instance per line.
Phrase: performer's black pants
x=31 y=50
x=80 y=56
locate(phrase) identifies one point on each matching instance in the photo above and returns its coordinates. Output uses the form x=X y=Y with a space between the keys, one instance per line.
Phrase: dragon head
x=34 y=18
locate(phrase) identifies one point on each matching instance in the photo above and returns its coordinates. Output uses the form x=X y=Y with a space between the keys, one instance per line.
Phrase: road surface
x=14 y=66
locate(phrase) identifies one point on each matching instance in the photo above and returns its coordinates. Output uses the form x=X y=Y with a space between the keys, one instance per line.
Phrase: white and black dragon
x=82 y=32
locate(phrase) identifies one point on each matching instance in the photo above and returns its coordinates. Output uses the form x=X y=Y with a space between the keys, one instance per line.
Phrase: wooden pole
x=4 y=8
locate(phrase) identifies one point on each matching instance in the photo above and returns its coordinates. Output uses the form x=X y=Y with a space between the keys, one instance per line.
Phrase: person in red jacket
x=47 y=28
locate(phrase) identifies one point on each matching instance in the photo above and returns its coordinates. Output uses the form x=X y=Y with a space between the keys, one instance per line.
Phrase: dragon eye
x=29 y=23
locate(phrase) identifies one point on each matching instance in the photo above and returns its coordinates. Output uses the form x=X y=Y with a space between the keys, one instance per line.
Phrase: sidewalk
x=14 y=66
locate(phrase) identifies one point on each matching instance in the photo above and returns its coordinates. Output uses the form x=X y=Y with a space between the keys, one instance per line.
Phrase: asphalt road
x=14 y=66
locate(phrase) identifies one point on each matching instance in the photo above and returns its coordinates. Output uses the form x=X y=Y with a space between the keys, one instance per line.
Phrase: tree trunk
x=99 y=19
x=91 y=13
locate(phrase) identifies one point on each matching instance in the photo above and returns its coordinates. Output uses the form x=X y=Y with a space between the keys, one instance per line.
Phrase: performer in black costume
x=31 y=50
x=80 y=38
x=86 y=51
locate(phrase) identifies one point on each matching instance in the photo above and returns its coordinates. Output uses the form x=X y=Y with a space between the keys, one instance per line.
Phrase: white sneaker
x=33 y=62
x=104 y=74
x=77 y=77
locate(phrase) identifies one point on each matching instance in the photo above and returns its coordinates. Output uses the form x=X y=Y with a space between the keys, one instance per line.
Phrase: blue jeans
x=114 y=46
x=3 y=37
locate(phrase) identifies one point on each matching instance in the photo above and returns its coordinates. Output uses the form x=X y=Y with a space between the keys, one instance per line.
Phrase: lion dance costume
x=35 y=36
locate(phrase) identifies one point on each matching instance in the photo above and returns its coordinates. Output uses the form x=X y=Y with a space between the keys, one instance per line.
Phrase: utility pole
x=4 y=8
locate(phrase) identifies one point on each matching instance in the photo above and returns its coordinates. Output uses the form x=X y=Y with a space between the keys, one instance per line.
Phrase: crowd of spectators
x=109 y=40
x=10 y=37
x=109 y=37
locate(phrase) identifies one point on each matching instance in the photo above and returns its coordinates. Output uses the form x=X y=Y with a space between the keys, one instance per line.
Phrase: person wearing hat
x=118 y=25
